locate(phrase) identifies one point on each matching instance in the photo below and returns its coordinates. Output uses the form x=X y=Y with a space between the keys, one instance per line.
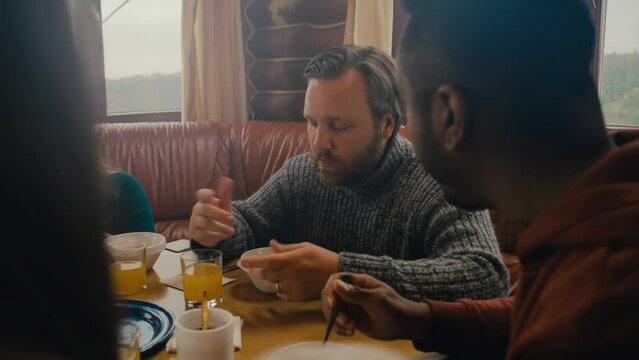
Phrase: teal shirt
x=129 y=205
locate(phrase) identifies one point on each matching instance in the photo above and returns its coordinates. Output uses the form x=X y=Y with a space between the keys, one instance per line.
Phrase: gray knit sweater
x=396 y=227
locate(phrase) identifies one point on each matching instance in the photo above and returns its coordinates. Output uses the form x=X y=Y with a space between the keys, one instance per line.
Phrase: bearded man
x=358 y=202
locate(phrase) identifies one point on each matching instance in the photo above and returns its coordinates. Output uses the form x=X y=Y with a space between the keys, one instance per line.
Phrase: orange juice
x=202 y=276
x=127 y=276
x=128 y=353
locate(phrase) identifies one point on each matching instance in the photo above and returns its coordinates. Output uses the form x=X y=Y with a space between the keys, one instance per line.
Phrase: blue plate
x=156 y=324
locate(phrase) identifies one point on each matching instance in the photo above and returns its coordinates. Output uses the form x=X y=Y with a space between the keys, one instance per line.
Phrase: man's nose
x=322 y=138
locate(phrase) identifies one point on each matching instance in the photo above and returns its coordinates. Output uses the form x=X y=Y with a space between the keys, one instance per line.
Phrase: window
x=142 y=56
x=620 y=66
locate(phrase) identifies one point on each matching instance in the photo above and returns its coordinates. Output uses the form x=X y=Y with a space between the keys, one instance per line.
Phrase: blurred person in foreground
x=359 y=201
x=503 y=111
x=55 y=291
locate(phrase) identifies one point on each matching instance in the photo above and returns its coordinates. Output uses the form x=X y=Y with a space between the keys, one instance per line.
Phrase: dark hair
x=522 y=57
x=378 y=69
x=55 y=282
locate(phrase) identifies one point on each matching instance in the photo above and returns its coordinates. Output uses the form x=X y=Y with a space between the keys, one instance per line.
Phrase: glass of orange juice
x=202 y=277
x=128 y=340
x=127 y=268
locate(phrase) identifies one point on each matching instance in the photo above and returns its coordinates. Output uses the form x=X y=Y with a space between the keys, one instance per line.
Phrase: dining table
x=269 y=323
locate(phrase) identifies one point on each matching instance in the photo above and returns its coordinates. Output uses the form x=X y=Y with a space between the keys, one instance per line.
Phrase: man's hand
x=300 y=270
x=375 y=309
x=212 y=218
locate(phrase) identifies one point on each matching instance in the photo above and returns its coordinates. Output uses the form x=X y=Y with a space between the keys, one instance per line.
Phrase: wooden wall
x=280 y=37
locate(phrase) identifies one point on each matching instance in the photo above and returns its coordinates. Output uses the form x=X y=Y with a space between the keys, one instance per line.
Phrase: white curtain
x=370 y=23
x=213 y=81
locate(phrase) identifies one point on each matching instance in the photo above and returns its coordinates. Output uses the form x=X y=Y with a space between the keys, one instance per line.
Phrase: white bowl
x=155 y=243
x=316 y=350
x=264 y=285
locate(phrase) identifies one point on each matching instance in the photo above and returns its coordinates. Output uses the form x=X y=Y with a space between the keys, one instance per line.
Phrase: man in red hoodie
x=503 y=112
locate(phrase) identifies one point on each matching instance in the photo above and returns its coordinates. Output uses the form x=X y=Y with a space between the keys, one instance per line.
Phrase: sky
x=622 y=26
x=144 y=36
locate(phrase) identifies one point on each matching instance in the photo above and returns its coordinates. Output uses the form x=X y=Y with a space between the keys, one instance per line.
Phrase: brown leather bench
x=173 y=160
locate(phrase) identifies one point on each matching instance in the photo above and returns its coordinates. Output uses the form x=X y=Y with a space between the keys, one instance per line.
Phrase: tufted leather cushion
x=173 y=229
x=171 y=160
x=260 y=148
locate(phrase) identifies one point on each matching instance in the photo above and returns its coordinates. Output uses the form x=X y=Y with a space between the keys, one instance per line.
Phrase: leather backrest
x=260 y=148
x=171 y=160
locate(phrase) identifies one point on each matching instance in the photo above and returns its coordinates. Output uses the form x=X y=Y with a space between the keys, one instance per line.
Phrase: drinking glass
x=128 y=340
x=202 y=277
x=127 y=268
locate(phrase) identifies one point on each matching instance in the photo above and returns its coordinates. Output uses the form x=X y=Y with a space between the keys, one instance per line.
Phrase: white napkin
x=171 y=345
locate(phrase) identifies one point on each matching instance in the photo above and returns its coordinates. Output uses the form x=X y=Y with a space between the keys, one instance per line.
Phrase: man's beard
x=352 y=173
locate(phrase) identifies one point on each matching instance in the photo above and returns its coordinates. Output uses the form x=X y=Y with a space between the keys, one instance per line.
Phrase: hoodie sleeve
x=470 y=328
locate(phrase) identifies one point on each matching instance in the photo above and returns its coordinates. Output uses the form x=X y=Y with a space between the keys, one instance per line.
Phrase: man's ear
x=450 y=120
x=388 y=125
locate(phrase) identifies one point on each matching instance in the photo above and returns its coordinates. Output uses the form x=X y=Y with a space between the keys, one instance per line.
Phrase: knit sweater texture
x=396 y=226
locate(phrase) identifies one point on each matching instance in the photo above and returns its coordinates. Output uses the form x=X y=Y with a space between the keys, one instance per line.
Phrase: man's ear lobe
x=388 y=125
x=453 y=113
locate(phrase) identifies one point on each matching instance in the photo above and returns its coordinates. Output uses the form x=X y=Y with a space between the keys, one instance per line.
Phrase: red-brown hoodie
x=578 y=296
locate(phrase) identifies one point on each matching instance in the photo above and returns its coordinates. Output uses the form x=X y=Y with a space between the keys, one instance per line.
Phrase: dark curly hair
x=526 y=57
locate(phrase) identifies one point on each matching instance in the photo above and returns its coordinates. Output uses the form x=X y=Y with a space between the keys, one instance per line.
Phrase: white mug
x=214 y=343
